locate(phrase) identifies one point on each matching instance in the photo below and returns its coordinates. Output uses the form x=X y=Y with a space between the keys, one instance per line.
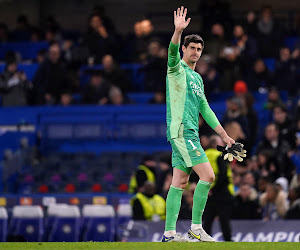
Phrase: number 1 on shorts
x=194 y=147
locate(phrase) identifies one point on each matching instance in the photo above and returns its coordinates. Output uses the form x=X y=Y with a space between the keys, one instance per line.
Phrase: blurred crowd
x=265 y=186
x=235 y=49
x=267 y=183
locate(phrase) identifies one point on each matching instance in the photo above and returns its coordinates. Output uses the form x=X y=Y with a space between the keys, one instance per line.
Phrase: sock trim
x=181 y=189
x=204 y=183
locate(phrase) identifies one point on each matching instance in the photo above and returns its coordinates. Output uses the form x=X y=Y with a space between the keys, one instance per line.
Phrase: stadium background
x=71 y=150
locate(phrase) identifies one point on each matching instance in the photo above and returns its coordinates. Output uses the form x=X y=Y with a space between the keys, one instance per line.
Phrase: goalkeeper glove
x=235 y=151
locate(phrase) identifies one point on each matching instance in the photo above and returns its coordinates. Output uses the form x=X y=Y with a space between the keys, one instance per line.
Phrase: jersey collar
x=185 y=64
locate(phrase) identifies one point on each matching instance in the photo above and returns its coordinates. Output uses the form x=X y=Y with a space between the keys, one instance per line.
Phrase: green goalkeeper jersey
x=185 y=96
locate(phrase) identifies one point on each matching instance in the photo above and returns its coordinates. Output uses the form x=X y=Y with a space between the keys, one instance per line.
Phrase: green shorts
x=187 y=150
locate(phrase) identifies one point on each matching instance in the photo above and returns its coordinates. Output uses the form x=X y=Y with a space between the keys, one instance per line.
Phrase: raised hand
x=179 y=19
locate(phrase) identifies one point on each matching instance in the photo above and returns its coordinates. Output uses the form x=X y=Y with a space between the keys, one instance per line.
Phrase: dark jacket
x=245 y=209
x=14 y=91
x=51 y=79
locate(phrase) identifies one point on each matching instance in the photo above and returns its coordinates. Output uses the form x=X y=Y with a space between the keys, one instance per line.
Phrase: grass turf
x=151 y=245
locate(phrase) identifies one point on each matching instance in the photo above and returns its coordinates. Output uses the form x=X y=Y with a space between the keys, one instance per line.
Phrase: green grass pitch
x=151 y=245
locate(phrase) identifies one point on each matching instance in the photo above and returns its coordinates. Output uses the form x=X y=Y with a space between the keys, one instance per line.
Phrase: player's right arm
x=180 y=24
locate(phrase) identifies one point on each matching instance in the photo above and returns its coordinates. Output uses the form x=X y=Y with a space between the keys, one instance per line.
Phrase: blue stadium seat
x=28 y=50
x=51 y=215
x=98 y=223
x=3 y=224
x=124 y=213
x=27 y=221
x=290 y=42
x=270 y=63
x=66 y=225
x=140 y=98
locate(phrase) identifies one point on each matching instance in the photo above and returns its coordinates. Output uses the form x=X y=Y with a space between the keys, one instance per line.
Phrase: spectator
x=251 y=23
x=4 y=33
x=246 y=46
x=51 y=36
x=164 y=169
x=245 y=207
x=234 y=130
x=252 y=119
x=116 y=97
x=155 y=66
x=249 y=179
x=114 y=74
x=285 y=76
x=36 y=35
x=216 y=42
x=15 y=89
x=220 y=198
x=98 y=39
x=295 y=157
x=266 y=164
x=277 y=149
x=294 y=210
x=283 y=184
x=51 y=78
x=147 y=205
x=23 y=29
x=274 y=203
x=209 y=75
x=107 y=21
x=215 y=11
x=185 y=212
x=259 y=78
x=262 y=184
x=273 y=99
x=159 y=97
x=66 y=98
x=285 y=124
x=269 y=33
x=235 y=112
x=229 y=66
x=96 y=91
x=204 y=133
x=145 y=172
x=41 y=56
x=138 y=44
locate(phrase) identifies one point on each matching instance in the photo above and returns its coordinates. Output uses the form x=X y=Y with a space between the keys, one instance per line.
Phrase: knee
x=209 y=178
x=180 y=184
x=212 y=178
x=183 y=184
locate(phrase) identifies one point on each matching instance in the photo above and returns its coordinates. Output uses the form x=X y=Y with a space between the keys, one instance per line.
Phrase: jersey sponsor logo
x=196 y=89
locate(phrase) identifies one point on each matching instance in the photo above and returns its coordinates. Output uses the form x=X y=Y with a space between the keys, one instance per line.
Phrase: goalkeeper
x=185 y=99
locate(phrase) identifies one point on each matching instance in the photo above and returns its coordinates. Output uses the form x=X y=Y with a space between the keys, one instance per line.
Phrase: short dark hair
x=273 y=124
x=193 y=39
x=282 y=107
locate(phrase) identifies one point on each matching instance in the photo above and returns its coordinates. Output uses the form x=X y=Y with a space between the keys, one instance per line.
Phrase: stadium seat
x=51 y=215
x=27 y=50
x=3 y=224
x=27 y=221
x=66 y=225
x=124 y=213
x=98 y=223
x=290 y=42
x=270 y=63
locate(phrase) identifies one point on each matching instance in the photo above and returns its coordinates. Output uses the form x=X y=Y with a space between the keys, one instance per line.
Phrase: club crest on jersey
x=196 y=89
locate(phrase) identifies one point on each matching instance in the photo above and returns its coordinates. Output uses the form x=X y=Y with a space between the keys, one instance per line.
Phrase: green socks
x=173 y=204
x=199 y=201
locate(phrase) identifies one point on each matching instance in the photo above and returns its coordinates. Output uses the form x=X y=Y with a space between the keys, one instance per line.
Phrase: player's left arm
x=211 y=119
